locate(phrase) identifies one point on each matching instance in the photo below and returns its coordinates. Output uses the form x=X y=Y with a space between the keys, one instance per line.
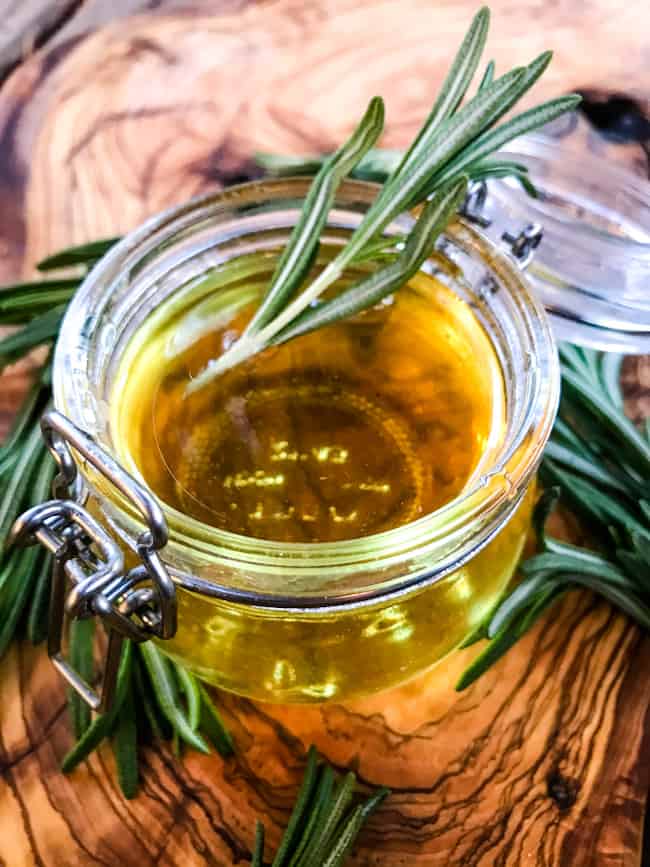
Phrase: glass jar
x=318 y=621
x=591 y=269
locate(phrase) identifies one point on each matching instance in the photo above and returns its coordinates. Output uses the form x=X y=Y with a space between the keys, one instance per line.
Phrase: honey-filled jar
x=334 y=515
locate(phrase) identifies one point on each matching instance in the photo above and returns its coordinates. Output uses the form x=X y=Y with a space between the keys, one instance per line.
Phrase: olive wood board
x=544 y=761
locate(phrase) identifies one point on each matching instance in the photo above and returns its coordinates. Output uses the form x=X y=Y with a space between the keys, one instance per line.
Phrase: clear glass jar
x=312 y=622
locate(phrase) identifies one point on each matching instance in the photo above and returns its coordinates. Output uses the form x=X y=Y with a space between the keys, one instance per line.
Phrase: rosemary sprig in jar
x=455 y=144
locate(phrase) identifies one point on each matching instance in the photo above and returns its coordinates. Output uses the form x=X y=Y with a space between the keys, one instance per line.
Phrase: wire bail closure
x=520 y=244
x=89 y=577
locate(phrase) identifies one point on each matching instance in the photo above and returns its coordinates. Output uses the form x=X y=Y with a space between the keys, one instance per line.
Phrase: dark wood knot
x=563 y=790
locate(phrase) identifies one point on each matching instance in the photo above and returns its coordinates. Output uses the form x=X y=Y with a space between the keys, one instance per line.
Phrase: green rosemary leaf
x=33 y=455
x=82 y=634
x=484 y=172
x=29 y=412
x=41 y=329
x=456 y=83
x=291 y=834
x=213 y=726
x=494 y=139
x=350 y=830
x=321 y=841
x=528 y=186
x=158 y=724
x=125 y=746
x=496 y=649
x=258 y=851
x=383 y=248
x=39 y=607
x=516 y=602
x=318 y=812
x=369 y=291
x=297 y=257
x=159 y=668
x=82 y=254
x=592 y=364
x=573 y=358
x=21 y=302
x=488 y=76
x=533 y=73
x=588 y=499
x=619 y=598
x=569 y=558
x=7 y=569
x=491 y=166
x=610 y=377
x=102 y=725
x=554 y=591
x=435 y=148
x=544 y=506
x=633 y=564
x=641 y=544
x=283 y=165
x=597 y=472
x=17 y=581
x=563 y=434
x=190 y=687
x=478 y=633
x=627 y=437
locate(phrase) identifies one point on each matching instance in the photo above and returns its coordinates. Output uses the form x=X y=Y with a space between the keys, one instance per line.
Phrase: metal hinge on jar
x=89 y=578
x=520 y=244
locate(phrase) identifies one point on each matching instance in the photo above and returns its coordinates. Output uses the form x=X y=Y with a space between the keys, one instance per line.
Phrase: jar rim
x=494 y=495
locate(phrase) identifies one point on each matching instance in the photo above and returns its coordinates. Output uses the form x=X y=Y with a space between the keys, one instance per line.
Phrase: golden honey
x=353 y=430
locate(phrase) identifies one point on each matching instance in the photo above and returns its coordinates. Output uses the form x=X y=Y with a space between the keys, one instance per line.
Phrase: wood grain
x=546 y=760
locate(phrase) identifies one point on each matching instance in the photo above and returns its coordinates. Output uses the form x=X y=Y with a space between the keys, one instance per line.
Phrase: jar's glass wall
x=403 y=598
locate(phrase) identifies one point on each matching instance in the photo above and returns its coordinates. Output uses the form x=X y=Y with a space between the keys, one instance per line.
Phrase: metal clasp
x=521 y=244
x=89 y=578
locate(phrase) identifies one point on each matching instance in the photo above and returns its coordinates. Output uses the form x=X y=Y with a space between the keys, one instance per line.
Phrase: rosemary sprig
x=323 y=827
x=454 y=144
x=597 y=464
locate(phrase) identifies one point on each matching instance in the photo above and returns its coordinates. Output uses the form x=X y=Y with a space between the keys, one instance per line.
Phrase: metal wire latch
x=89 y=578
x=521 y=245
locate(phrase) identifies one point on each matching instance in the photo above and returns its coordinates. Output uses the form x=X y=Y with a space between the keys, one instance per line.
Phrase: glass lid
x=591 y=269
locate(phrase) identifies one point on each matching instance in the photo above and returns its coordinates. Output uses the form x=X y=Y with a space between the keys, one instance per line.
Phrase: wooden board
x=546 y=760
